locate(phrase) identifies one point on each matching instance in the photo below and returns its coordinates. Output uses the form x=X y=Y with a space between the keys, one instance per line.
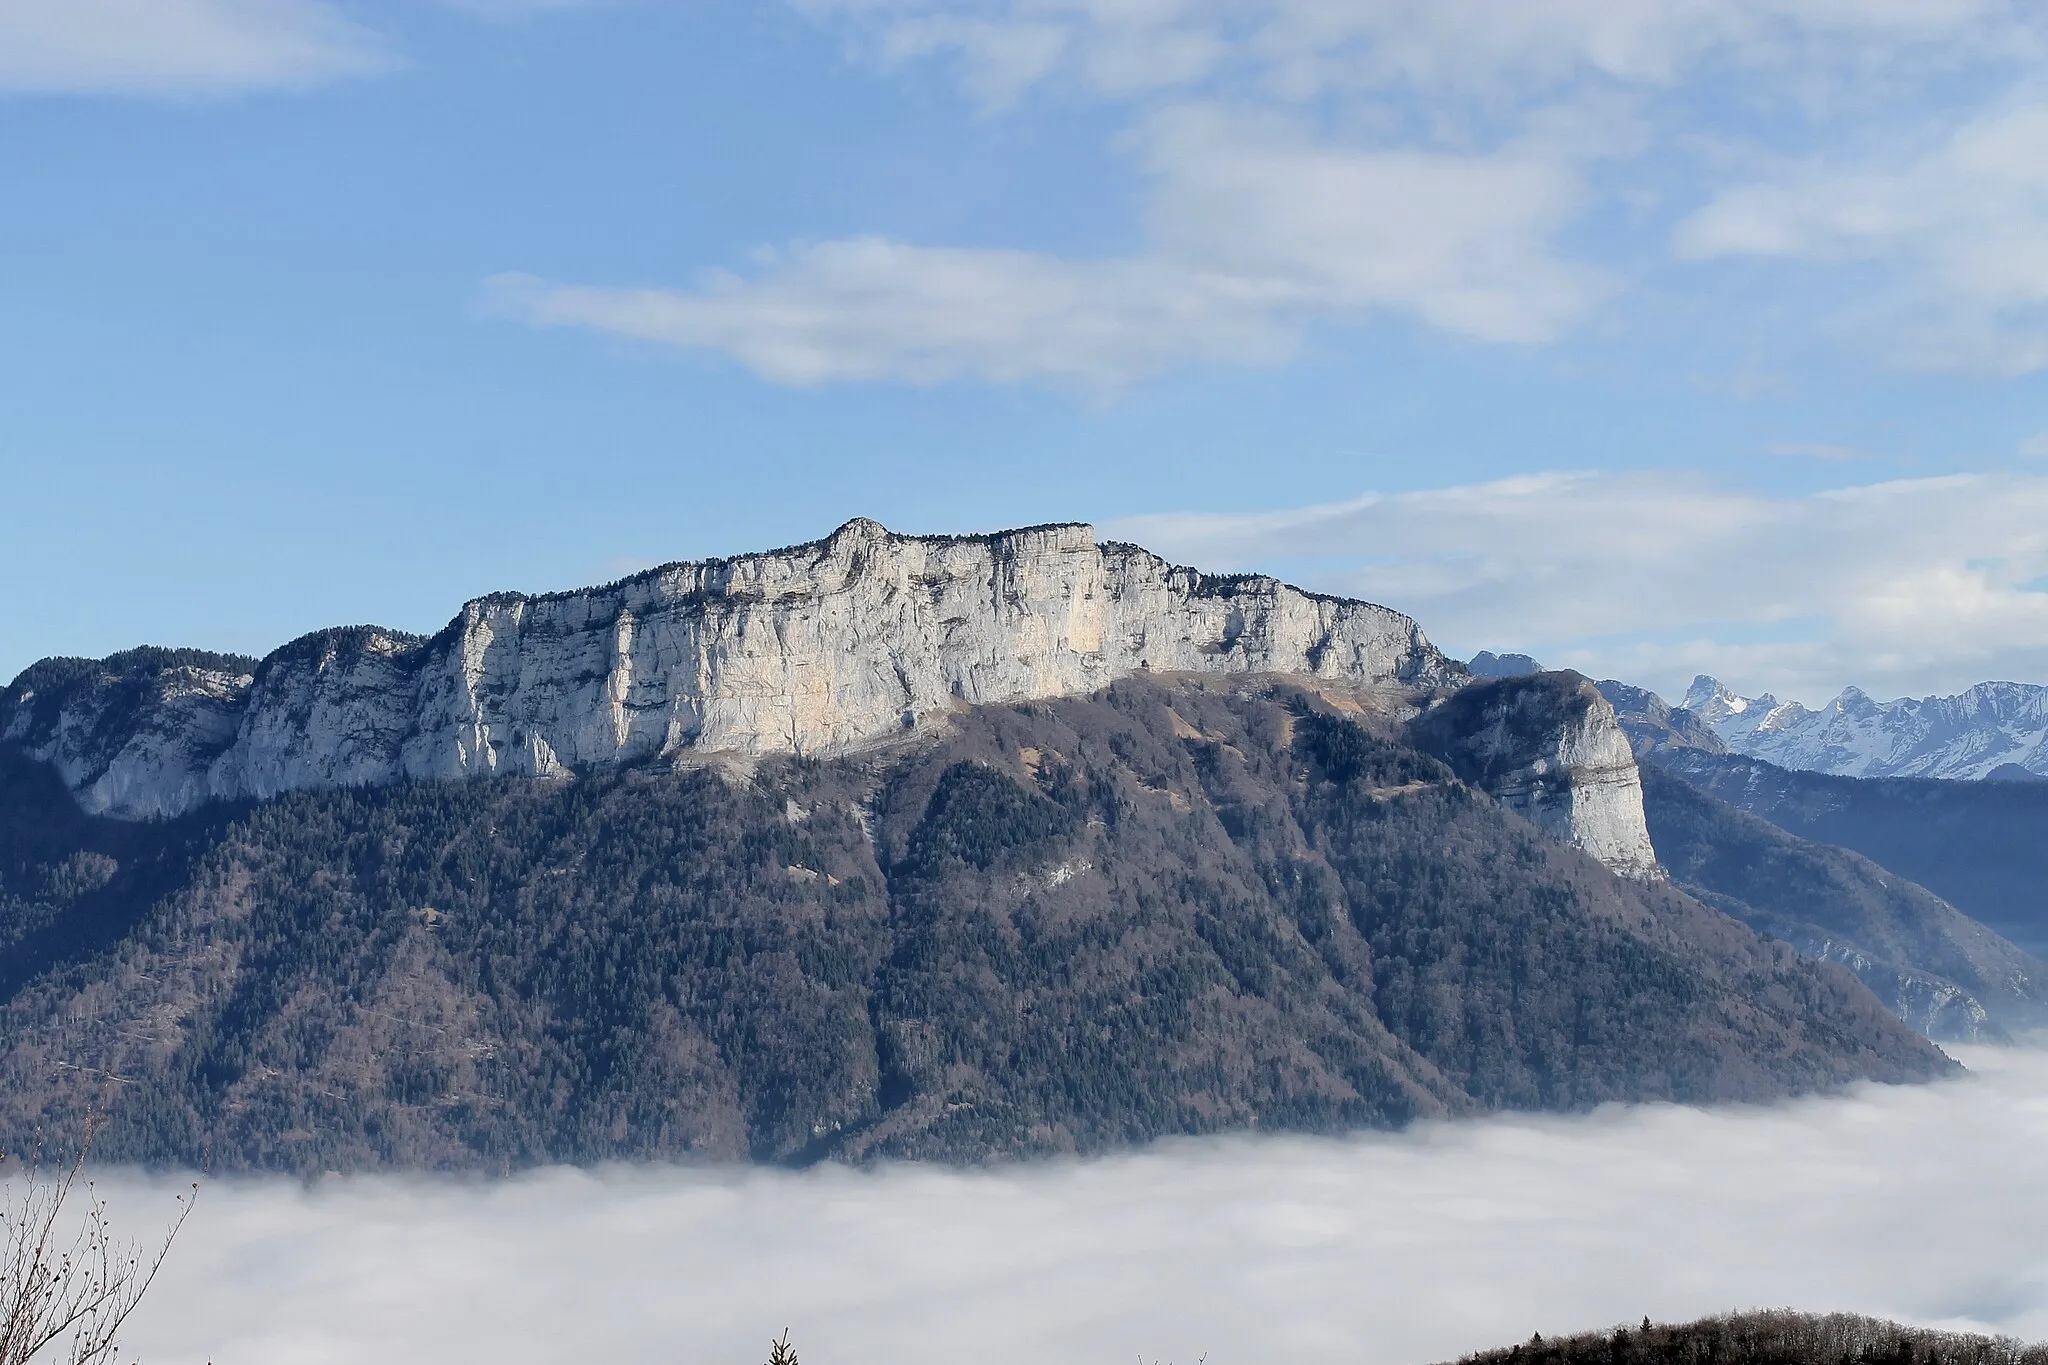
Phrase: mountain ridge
x=811 y=650
x=1966 y=736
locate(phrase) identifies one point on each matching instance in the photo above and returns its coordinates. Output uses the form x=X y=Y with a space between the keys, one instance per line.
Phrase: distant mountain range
x=1978 y=845
x=1996 y=730
x=1982 y=846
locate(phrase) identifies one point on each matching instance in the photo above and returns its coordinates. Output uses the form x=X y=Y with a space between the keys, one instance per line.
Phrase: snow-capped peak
x=1967 y=736
x=1712 y=702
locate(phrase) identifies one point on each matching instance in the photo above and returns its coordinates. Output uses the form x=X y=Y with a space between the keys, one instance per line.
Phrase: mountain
x=1972 y=847
x=1653 y=726
x=1951 y=977
x=1487 y=664
x=816 y=650
x=1549 y=747
x=1172 y=905
x=939 y=847
x=1978 y=845
x=1994 y=725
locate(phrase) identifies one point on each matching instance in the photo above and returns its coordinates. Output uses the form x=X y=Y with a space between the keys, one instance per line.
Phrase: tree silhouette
x=67 y=1286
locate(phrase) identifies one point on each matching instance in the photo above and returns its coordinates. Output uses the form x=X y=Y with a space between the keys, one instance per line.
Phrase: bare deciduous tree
x=67 y=1286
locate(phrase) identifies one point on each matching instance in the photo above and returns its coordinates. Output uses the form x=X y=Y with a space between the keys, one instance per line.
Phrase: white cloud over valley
x=1924 y=1203
x=1908 y=586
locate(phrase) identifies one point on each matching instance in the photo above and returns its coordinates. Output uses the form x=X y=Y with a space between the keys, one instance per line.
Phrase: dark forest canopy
x=1064 y=927
x=1773 y=1337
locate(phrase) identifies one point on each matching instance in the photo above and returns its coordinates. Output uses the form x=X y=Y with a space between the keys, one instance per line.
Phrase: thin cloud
x=1922 y=1203
x=1818 y=450
x=1491 y=172
x=1299 y=49
x=875 y=309
x=167 y=47
x=1914 y=585
x=1967 y=221
x=1259 y=229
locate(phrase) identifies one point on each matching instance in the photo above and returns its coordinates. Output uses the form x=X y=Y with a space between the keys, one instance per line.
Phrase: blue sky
x=1650 y=337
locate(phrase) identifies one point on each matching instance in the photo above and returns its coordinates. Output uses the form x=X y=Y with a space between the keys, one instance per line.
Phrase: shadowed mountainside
x=1982 y=846
x=1059 y=926
x=1949 y=976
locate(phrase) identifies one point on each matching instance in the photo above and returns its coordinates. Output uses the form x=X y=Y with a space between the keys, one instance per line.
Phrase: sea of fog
x=1923 y=1203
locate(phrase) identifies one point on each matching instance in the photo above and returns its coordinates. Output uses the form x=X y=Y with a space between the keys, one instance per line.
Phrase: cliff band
x=815 y=650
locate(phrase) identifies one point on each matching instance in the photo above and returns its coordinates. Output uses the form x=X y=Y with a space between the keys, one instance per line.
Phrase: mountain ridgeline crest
x=1995 y=729
x=814 y=650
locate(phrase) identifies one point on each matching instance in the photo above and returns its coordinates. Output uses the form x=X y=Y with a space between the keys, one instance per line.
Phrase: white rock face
x=1966 y=736
x=816 y=650
x=1550 y=748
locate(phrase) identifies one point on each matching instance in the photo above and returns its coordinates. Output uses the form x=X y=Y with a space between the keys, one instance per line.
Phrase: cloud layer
x=1258 y=229
x=1455 y=163
x=157 y=47
x=1909 y=586
x=1924 y=1203
x=1300 y=48
x=1963 y=227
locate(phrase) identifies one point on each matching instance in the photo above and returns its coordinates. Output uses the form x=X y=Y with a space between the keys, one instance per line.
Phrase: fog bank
x=1927 y=1203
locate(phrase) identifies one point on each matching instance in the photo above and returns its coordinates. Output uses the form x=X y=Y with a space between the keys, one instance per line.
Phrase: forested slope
x=1063 y=926
x=1774 y=1337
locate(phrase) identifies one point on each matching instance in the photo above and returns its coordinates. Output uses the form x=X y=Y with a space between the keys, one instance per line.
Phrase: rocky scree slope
x=815 y=650
x=1064 y=925
x=1993 y=725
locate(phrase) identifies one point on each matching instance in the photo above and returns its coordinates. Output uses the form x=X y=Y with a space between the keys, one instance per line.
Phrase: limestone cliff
x=1549 y=747
x=815 y=650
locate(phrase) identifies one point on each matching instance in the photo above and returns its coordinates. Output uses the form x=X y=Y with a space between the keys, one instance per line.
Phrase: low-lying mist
x=1924 y=1203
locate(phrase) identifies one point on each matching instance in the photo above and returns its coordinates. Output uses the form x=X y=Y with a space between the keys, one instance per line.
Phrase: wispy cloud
x=159 y=47
x=1489 y=171
x=1966 y=221
x=876 y=309
x=1818 y=450
x=1304 y=48
x=1906 y=586
x=1259 y=230
x=1919 y=1202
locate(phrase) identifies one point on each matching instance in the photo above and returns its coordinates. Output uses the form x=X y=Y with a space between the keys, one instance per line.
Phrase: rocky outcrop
x=1653 y=726
x=816 y=650
x=1549 y=747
